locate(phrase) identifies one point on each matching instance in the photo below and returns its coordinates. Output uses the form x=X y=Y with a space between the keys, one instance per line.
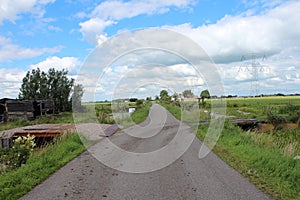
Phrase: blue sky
x=63 y=33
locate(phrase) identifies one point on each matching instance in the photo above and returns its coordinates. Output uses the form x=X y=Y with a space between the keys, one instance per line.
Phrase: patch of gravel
x=93 y=131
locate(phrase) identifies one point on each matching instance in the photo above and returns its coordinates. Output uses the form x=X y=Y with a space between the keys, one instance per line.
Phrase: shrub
x=17 y=155
x=276 y=120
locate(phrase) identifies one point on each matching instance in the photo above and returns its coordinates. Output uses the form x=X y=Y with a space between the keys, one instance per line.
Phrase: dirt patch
x=269 y=127
x=290 y=126
x=264 y=127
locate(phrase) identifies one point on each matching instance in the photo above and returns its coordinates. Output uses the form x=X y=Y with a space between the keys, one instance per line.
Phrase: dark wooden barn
x=24 y=109
x=43 y=107
x=14 y=108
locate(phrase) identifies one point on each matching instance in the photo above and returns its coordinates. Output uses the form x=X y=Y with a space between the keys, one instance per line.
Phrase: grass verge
x=269 y=166
x=175 y=110
x=42 y=163
x=141 y=113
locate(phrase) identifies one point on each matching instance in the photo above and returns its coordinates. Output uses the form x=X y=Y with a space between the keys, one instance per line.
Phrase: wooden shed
x=26 y=109
x=43 y=107
x=14 y=108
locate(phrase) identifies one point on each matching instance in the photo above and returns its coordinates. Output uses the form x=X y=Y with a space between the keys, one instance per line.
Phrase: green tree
x=175 y=97
x=53 y=85
x=204 y=94
x=34 y=85
x=188 y=94
x=164 y=96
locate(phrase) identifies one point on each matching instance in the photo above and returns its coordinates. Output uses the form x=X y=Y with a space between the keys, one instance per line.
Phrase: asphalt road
x=188 y=177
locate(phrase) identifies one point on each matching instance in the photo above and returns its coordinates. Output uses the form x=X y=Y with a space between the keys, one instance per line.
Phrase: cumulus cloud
x=10 y=82
x=118 y=10
x=11 y=79
x=10 y=51
x=273 y=33
x=69 y=63
x=233 y=36
x=11 y=9
x=92 y=30
x=110 y=12
x=124 y=81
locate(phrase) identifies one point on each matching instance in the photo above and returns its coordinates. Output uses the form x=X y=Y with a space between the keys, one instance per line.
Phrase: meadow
x=266 y=158
x=259 y=107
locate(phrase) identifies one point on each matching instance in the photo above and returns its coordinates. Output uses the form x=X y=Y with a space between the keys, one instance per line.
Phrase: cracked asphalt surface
x=187 y=178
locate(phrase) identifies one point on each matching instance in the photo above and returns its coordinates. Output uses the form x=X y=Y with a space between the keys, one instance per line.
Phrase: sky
x=254 y=44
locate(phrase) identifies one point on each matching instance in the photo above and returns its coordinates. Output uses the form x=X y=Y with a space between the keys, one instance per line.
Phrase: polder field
x=259 y=107
x=269 y=154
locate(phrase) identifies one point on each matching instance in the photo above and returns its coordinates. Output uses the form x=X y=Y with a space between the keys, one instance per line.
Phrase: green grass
x=287 y=141
x=268 y=167
x=40 y=165
x=141 y=113
x=266 y=159
x=176 y=111
x=259 y=107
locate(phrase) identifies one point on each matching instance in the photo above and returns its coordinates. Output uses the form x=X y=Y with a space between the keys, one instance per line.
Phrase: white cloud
x=10 y=51
x=69 y=63
x=92 y=30
x=110 y=12
x=128 y=81
x=54 y=28
x=118 y=10
x=232 y=36
x=10 y=82
x=11 y=9
x=274 y=32
x=11 y=79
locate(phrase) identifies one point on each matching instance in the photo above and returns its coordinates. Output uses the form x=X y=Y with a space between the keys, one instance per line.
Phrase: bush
x=18 y=154
x=276 y=120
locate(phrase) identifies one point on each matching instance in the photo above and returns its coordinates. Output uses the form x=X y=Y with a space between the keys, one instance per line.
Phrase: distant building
x=190 y=99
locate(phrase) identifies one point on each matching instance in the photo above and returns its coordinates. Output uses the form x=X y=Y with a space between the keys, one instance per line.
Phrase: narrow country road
x=188 y=177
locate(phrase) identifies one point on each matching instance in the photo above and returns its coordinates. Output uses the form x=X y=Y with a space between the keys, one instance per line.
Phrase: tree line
x=54 y=85
x=164 y=96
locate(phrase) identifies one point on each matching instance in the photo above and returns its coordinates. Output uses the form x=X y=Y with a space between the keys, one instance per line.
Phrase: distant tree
x=148 y=99
x=204 y=94
x=133 y=99
x=77 y=97
x=164 y=96
x=188 y=94
x=156 y=98
x=175 y=97
x=53 y=85
x=139 y=103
